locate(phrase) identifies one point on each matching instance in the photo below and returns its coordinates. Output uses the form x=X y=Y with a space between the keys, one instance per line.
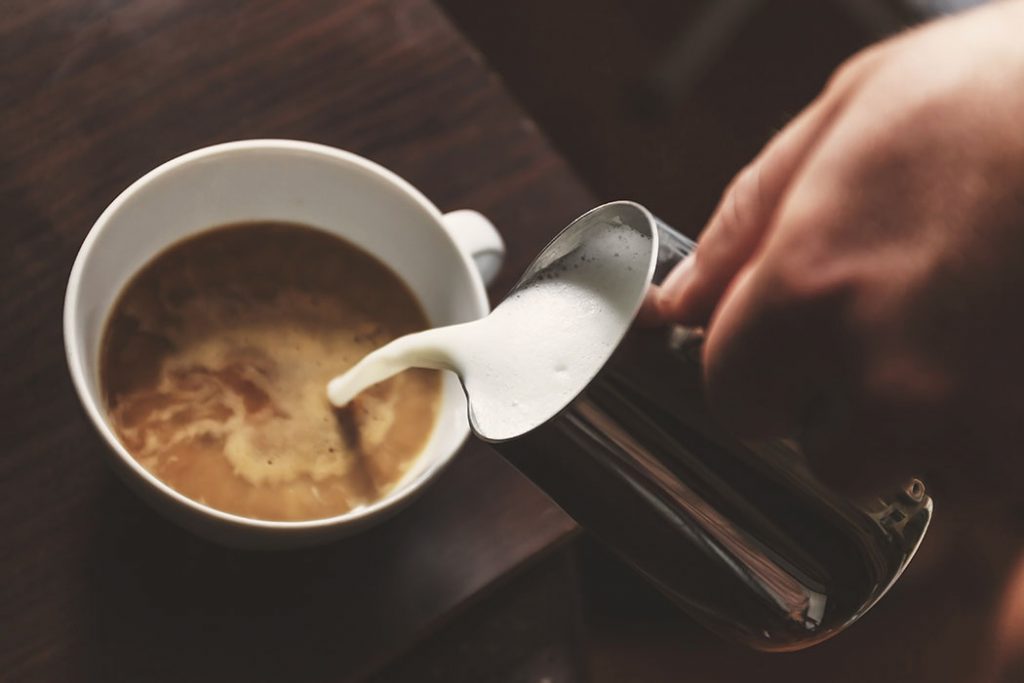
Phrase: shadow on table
x=170 y=606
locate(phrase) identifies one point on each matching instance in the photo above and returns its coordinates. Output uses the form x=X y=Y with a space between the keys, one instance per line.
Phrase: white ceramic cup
x=445 y=259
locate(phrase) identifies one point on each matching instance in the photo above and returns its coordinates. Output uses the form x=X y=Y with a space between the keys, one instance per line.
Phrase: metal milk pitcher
x=740 y=535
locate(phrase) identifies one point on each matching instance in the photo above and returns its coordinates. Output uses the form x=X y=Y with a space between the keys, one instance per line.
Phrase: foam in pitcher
x=541 y=346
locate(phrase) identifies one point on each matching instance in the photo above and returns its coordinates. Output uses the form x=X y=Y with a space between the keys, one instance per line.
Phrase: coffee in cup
x=214 y=361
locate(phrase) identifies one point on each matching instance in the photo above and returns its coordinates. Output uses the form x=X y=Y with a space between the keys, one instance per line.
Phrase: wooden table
x=93 y=584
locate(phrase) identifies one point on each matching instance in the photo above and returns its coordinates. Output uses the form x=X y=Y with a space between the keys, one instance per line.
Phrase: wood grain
x=94 y=585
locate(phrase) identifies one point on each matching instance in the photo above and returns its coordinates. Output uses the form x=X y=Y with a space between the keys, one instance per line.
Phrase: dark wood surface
x=530 y=631
x=93 y=584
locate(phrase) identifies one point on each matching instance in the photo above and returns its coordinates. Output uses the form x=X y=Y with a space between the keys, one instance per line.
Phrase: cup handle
x=478 y=237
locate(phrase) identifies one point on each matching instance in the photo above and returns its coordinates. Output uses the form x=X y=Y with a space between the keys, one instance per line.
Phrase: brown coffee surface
x=215 y=361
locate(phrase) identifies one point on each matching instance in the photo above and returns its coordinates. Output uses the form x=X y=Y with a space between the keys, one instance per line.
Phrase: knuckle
x=811 y=285
x=725 y=226
x=738 y=207
x=851 y=70
x=843 y=75
x=747 y=194
x=811 y=271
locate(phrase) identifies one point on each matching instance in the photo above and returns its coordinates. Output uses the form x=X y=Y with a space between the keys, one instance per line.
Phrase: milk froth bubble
x=540 y=347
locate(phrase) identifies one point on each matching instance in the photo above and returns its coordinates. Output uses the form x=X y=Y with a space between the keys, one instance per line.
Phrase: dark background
x=662 y=102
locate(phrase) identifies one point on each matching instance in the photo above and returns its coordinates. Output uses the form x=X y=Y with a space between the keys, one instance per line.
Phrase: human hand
x=862 y=280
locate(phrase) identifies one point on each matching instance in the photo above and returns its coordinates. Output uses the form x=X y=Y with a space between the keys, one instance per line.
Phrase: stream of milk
x=538 y=348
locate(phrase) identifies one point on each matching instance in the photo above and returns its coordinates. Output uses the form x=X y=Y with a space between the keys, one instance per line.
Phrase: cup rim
x=77 y=365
